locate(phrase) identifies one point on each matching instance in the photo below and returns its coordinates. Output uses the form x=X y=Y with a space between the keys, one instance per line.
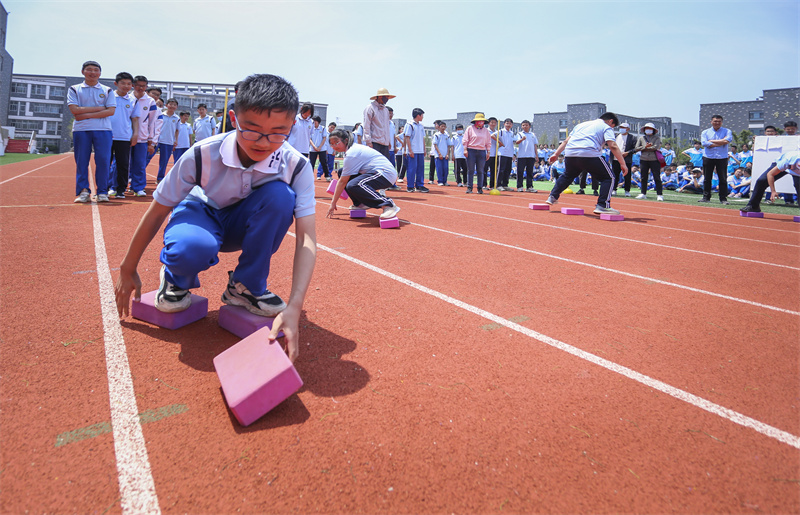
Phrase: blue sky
x=506 y=58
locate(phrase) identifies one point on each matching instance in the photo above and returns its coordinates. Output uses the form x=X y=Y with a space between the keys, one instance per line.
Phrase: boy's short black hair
x=202 y=105
x=610 y=116
x=459 y=126
x=416 y=112
x=332 y=123
x=184 y=113
x=122 y=76
x=770 y=127
x=696 y=142
x=316 y=118
x=438 y=123
x=264 y=92
x=140 y=78
x=389 y=109
x=492 y=118
x=525 y=121
x=717 y=117
x=154 y=88
x=172 y=100
x=790 y=123
x=90 y=63
x=342 y=135
x=508 y=120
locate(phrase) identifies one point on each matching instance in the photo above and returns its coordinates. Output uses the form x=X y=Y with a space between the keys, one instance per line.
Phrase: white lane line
x=71 y=204
x=136 y=484
x=605 y=269
x=561 y=201
x=699 y=402
x=767 y=263
x=26 y=173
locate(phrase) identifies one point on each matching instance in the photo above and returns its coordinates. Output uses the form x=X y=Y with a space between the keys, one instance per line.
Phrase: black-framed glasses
x=256 y=136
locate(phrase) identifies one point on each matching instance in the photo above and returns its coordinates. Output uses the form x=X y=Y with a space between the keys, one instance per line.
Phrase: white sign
x=767 y=150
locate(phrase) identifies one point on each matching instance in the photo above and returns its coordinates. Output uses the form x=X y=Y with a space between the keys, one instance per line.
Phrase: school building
x=775 y=107
x=553 y=127
x=37 y=105
x=6 y=67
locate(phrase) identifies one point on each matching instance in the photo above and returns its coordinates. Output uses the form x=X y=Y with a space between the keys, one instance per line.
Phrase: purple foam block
x=539 y=207
x=797 y=218
x=751 y=215
x=242 y=323
x=571 y=211
x=332 y=190
x=389 y=223
x=612 y=217
x=145 y=310
x=358 y=213
x=256 y=375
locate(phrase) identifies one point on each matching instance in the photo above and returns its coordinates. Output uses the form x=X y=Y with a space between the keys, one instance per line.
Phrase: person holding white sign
x=788 y=163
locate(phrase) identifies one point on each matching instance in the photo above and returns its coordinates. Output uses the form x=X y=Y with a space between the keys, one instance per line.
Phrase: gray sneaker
x=605 y=211
x=551 y=200
x=266 y=305
x=389 y=212
x=84 y=197
x=102 y=198
x=170 y=298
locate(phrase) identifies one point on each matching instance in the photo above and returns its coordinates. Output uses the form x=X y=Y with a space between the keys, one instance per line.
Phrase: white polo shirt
x=416 y=136
x=300 y=135
x=204 y=127
x=184 y=131
x=168 y=129
x=226 y=180
x=83 y=95
x=362 y=159
x=588 y=138
x=121 y=121
x=527 y=146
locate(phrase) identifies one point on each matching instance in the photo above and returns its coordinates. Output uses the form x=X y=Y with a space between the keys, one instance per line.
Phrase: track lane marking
x=694 y=400
x=31 y=171
x=136 y=484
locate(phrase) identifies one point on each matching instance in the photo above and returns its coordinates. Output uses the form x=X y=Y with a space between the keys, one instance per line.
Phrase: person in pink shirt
x=476 y=150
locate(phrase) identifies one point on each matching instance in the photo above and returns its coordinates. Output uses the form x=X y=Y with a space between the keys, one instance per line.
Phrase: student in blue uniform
x=441 y=149
x=787 y=163
x=166 y=139
x=583 y=149
x=505 y=138
x=414 y=136
x=527 y=156
x=365 y=173
x=238 y=191
x=125 y=133
x=149 y=129
x=92 y=104
x=318 y=143
x=183 y=135
x=459 y=161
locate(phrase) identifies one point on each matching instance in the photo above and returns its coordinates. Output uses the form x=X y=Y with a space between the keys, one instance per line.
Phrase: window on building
x=39 y=108
x=18 y=88
x=27 y=125
x=756 y=116
x=38 y=89
x=56 y=92
x=562 y=123
x=16 y=108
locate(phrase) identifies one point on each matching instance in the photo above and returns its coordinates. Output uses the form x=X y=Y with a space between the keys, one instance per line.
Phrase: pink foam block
x=145 y=310
x=571 y=211
x=612 y=217
x=358 y=213
x=242 y=323
x=797 y=218
x=256 y=375
x=389 y=223
x=751 y=215
x=539 y=207
x=332 y=190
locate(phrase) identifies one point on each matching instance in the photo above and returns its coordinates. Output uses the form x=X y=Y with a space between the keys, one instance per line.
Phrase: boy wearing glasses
x=237 y=191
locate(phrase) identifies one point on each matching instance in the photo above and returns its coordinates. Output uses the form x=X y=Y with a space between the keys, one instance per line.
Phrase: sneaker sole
x=170 y=307
x=233 y=301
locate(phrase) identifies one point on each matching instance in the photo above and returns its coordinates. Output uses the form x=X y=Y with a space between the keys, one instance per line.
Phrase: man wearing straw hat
x=377 y=124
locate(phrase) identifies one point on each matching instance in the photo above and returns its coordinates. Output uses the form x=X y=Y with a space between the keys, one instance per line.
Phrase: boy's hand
x=466 y=153
x=127 y=284
x=331 y=210
x=288 y=320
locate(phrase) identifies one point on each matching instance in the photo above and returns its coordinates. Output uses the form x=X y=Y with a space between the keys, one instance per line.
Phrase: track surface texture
x=482 y=358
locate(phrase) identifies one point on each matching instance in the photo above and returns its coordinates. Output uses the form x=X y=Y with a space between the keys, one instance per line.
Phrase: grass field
x=16 y=158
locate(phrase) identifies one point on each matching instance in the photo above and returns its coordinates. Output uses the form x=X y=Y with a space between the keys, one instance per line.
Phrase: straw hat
x=383 y=92
x=479 y=118
x=649 y=125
